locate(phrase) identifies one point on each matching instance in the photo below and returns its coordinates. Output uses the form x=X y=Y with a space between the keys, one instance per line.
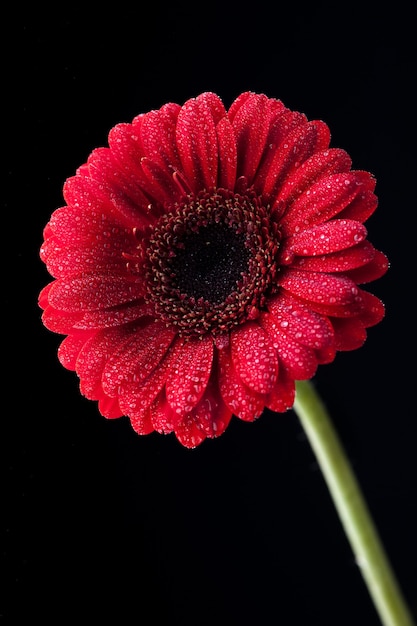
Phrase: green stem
x=351 y=507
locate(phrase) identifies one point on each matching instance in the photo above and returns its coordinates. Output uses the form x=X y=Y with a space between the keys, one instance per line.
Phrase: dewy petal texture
x=207 y=258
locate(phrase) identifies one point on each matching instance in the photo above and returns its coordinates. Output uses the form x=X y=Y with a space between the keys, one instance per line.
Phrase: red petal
x=227 y=154
x=277 y=108
x=366 y=307
x=361 y=207
x=342 y=261
x=126 y=176
x=373 y=270
x=282 y=396
x=373 y=310
x=161 y=182
x=87 y=226
x=300 y=362
x=197 y=140
x=62 y=260
x=137 y=357
x=238 y=103
x=126 y=147
x=124 y=184
x=303 y=324
x=251 y=125
x=319 y=165
x=299 y=145
x=350 y=334
x=161 y=414
x=134 y=397
x=211 y=414
x=109 y=407
x=43 y=298
x=282 y=123
x=59 y=322
x=188 y=432
x=70 y=348
x=324 y=199
x=188 y=380
x=116 y=316
x=328 y=237
x=242 y=401
x=93 y=358
x=141 y=423
x=157 y=133
x=254 y=357
x=320 y=288
x=94 y=291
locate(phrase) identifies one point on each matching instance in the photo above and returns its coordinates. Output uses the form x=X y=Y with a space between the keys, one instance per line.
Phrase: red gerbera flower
x=205 y=260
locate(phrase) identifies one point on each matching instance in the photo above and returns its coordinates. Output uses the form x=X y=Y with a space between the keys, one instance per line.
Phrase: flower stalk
x=347 y=497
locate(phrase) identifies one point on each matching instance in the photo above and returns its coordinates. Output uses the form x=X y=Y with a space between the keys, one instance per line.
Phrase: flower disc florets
x=211 y=262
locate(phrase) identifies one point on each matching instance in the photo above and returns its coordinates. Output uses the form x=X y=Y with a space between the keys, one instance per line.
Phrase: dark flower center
x=211 y=262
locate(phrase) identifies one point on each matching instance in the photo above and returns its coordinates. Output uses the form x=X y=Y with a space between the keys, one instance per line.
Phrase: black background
x=101 y=524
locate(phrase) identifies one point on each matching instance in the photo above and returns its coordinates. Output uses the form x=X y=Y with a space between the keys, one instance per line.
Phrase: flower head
x=205 y=260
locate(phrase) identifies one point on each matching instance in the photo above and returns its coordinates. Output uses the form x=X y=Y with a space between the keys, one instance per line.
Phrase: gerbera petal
x=326 y=238
x=93 y=356
x=323 y=200
x=298 y=320
x=162 y=416
x=373 y=270
x=366 y=307
x=89 y=226
x=361 y=207
x=251 y=125
x=43 y=298
x=94 y=291
x=135 y=359
x=372 y=310
x=341 y=261
x=62 y=260
x=350 y=333
x=188 y=380
x=242 y=401
x=109 y=407
x=115 y=316
x=157 y=134
x=283 y=123
x=126 y=147
x=141 y=422
x=197 y=140
x=70 y=348
x=318 y=287
x=299 y=145
x=254 y=357
x=188 y=431
x=81 y=191
x=299 y=361
x=211 y=413
x=281 y=398
x=319 y=165
x=161 y=182
x=129 y=186
x=227 y=154
x=124 y=184
x=136 y=396
x=238 y=103
x=60 y=322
